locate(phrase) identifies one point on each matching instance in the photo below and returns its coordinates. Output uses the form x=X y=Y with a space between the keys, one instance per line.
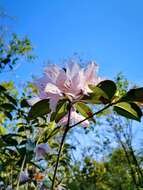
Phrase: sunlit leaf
x=102 y=93
x=128 y=110
x=84 y=109
x=3 y=130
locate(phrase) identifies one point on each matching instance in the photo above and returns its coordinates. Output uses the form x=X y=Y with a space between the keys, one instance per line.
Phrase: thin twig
x=91 y=116
x=22 y=166
x=60 y=149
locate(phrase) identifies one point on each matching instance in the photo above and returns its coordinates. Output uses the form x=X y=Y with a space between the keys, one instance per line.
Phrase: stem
x=22 y=166
x=127 y=157
x=89 y=117
x=60 y=148
x=68 y=127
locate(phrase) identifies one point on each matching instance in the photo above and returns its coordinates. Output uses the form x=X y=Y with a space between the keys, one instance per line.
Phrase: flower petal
x=53 y=89
x=33 y=101
x=75 y=117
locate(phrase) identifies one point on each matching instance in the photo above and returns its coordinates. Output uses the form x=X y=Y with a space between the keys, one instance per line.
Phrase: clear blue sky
x=108 y=31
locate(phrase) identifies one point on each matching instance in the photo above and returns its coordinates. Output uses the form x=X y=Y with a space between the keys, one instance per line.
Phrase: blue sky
x=110 y=32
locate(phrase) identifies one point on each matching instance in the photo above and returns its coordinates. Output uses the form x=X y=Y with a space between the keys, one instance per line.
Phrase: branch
x=91 y=116
x=60 y=149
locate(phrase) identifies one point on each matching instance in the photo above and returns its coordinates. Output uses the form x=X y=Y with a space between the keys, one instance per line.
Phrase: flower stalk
x=67 y=127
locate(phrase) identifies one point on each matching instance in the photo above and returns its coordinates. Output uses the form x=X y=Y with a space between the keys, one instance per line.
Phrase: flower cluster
x=71 y=82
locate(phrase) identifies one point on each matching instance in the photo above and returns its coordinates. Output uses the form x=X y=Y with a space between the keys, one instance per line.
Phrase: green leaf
x=24 y=103
x=108 y=87
x=133 y=95
x=128 y=110
x=11 y=99
x=83 y=109
x=3 y=130
x=7 y=106
x=9 y=140
x=39 y=109
x=61 y=111
x=2 y=89
x=96 y=97
x=8 y=115
x=102 y=93
x=52 y=125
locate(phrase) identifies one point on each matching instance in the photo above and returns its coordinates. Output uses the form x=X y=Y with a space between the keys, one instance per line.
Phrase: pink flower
x=71 y=82
x=42 y=150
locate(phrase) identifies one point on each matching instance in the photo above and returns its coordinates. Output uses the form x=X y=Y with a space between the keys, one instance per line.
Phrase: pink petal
x=53 y=89
x=54 y=98
x=75 y=117
x=52 y=72
x=91 y=73
x=72 y=69
x=33 y=101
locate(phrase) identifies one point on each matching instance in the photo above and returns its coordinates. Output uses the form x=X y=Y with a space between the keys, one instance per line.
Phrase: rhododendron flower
x=42 y=150
x=71 y=82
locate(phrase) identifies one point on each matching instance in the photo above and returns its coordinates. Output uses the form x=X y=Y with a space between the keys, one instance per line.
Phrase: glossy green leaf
x=39 y=109
x=108 y=87
x=134 y=95
x=97 y=96
x=102 y=93
x=84 y=109
x=61 y=111
x=128 y=110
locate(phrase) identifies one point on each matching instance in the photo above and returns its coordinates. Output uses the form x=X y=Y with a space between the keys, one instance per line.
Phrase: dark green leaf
x=108 y=87
x=24 y=103
x=39 y=109
x=11 y=99
x=102 y=93
x=8 y=114
x=7 y=106
x=9 y=140
x=2 y=89
x=128 y=110
x=134 y=95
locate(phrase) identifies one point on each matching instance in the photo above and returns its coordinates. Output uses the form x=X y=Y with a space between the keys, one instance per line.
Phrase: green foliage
x=102 y=93
x=39 y=109
x=128 y=110
x=133 y=95
x=12 y=51
x=24 y=127
x=61 y=111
